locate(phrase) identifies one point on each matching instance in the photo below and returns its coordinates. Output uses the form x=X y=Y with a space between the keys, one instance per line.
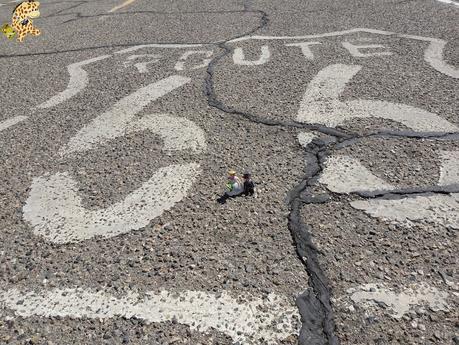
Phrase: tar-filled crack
x=318 y=326
x=314 y=305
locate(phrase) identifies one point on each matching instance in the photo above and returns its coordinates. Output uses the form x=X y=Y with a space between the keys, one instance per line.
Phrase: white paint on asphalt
x=239 y=57
x=450 y=2
x=180 y=65
x=321 y=104
x=54 y=207
x=401 y=303
x=429 y=208
x=449 y=169
x=305 y=49
x=142 y=66
x=434 y=56
x=178 y=133
x=114 y=123
x=246 y=319
x=344 y=174
x=78 y=81
x=305 y=138
x=354 y=50
x=307 y=37
x=11 y=122
x=120 y=6
x=157 y=45
x=433 y=53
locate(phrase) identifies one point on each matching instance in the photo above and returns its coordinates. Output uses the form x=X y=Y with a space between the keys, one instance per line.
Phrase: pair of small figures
x=235 y=186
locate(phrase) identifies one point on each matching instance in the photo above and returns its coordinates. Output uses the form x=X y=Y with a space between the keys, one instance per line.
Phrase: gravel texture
x=246 y=246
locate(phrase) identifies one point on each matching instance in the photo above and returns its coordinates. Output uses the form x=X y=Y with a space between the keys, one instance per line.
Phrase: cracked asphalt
x=117 y=128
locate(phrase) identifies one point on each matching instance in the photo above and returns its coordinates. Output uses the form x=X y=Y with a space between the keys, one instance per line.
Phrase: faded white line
x=177 y=133
x=450 y=2
x=321 y=104
x=246 y=319
x=305 y=49
x=327 y=34
x=304 y=138
x=180 y=65
x=54 y=207
x=400 y=303
x=124 y=4
x=344 y=174
x=355 y=49
x=433 y=54
x=114 y=122
x=449 y=169
x=239 y=58
x=157 y=45
x=439 y=209
x=11 y=122
x=78 y=81
x=142 y=66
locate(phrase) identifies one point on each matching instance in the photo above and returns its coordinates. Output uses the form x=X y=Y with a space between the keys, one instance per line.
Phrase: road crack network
x=318 y=326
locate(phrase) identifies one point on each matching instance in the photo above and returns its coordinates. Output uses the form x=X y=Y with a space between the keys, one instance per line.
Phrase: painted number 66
x=54 y=207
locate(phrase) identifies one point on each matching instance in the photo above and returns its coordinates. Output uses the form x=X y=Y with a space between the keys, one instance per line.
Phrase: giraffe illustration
x=22 y=22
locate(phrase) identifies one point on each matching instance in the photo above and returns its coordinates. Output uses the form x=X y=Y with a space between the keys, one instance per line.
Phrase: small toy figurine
x=22 y=22
x=8 y=31
x=249 y=185
x=234 y=185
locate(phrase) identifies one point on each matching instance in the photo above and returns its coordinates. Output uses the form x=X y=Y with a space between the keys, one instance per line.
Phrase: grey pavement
x=118 y=125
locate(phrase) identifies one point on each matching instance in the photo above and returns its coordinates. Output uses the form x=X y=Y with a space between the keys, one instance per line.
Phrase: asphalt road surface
x=119 y=123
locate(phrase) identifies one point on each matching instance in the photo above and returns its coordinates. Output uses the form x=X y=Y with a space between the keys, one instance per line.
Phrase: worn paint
x=344 y=174
x=321 y=104
x=114 y=122
x=431 y=208
x=78 y=81
x=400 y=303
x=246 y=319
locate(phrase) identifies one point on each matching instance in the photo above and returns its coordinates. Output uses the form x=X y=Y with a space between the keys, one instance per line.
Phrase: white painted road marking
x=344 y=174
x=247 y=319
x=439 y=209
x=178 y=133
x=400 y=303
x=142 y=66
x=11 y=122
x=321 y=104
x=434 y=56
x=124 y=4
x=55 y=209
x=355 y=49
x=157 y=45
x=239 y=58
x=180 y=65
x=78 y=81
x=115 y=122
x=307 y=52
x=433 y=53
x=304 y=138
x=449 y=170
x=450 y=2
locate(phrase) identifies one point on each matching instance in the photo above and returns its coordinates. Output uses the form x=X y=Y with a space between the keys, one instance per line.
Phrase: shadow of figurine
x=222 y=199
